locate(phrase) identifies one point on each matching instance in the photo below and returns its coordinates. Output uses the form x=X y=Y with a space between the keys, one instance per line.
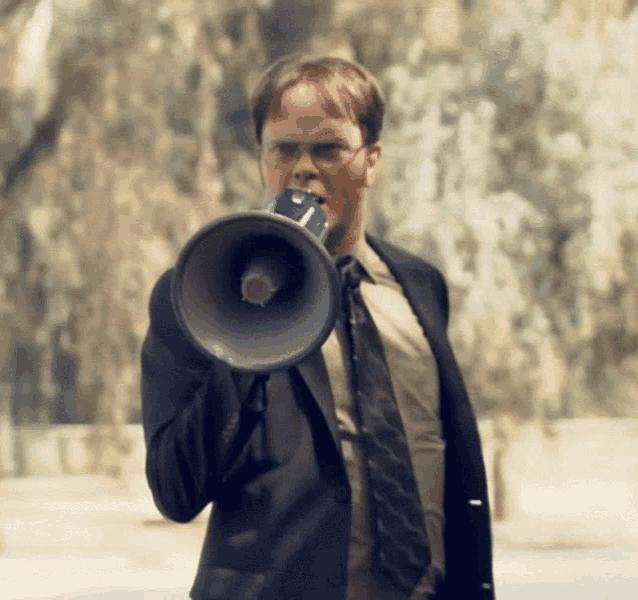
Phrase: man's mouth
x=320 y=199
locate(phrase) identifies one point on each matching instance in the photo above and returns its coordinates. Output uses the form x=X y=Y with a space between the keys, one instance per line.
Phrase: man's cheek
x=355 y=175
x=351 y=187
x=331 y=215
x=275 y=184
x=351 y=193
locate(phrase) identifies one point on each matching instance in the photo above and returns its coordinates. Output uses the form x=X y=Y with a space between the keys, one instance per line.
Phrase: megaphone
x=257 y=289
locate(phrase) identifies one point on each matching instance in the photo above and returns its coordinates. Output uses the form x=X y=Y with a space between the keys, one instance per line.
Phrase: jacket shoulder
x=161 y=293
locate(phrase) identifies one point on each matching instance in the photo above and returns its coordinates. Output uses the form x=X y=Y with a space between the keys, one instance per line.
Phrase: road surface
x=77 y=538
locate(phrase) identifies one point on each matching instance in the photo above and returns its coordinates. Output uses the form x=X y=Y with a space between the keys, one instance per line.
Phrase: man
x=282 y=456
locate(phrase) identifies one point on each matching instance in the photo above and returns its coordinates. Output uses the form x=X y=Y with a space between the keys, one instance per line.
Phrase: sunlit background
x=511 y=163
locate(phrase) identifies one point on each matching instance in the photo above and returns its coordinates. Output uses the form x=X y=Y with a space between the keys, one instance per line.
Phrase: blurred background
x=511 y=163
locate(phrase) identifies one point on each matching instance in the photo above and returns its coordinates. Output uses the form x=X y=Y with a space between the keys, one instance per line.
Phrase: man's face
x=310 y=146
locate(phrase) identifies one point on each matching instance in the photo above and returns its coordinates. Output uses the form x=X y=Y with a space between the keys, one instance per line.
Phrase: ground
x=81 y=537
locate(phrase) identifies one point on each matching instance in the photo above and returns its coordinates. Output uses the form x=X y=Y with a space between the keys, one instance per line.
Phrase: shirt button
x=342 y=495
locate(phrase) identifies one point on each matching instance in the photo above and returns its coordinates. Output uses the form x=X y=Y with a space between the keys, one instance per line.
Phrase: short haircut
x=357 y=92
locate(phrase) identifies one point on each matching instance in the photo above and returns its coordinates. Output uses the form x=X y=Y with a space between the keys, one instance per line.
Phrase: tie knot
x=351 y=272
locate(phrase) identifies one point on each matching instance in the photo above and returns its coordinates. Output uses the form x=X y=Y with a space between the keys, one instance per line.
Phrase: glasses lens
x=327 y=153
x=287 y=151
x=323 y=154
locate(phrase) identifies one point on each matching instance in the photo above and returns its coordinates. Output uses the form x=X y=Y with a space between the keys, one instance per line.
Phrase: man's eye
x=326 y=151
x=287 y=151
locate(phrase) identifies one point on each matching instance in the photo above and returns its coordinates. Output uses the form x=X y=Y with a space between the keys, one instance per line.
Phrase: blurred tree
x=510 y=152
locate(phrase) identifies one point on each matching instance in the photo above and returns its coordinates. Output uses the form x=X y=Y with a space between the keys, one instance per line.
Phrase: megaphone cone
x=258 y=290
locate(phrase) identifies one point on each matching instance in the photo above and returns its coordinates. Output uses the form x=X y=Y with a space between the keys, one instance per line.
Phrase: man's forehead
x=303 y=95
x=308 y=112
x=306 y=96
x=307 y=138
x=309 y=128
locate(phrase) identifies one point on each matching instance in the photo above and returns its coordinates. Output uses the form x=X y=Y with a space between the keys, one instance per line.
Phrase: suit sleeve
x=197 y=414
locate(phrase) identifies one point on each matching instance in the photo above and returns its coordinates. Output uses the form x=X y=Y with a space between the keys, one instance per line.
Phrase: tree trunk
x=499 y=510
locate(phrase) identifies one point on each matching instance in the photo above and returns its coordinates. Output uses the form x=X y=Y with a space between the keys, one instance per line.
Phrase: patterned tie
x=401 y=551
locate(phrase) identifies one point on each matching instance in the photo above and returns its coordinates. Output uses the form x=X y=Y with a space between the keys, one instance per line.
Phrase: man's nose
x=305 y=169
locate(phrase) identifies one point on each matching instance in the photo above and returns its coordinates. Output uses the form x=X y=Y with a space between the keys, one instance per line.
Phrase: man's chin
x=335 y=238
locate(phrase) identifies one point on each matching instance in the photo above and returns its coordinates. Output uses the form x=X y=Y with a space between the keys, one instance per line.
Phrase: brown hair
x=358 y=93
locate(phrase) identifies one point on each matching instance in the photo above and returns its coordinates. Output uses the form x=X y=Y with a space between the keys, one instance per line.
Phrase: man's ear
x=373 y=169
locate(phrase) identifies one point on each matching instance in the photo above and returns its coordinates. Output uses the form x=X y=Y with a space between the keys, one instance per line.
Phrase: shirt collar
x=367 y=257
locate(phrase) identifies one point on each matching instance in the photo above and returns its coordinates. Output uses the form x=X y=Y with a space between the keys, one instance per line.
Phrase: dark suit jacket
x=265 y=450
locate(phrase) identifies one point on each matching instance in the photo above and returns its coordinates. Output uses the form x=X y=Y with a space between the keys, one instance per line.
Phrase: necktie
x=401 y=551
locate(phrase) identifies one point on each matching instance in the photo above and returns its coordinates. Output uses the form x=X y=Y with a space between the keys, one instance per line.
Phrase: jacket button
x=342 y=495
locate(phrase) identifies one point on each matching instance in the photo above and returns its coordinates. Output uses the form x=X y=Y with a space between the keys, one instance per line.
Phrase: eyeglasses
x=323 y=154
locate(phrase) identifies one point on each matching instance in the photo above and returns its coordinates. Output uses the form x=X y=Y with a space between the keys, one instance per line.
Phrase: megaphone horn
x=257 y=289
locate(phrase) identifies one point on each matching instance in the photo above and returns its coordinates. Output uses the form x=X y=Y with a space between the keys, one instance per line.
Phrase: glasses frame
x=345 y=154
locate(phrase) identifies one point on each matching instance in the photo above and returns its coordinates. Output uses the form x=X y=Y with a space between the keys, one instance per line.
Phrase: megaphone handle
x=261 y=280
